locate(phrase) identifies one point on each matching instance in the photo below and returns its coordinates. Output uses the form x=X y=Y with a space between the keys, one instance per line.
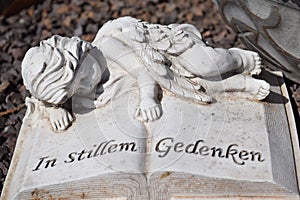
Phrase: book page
x=225 y=140
x=245 y=144
x=97 y=145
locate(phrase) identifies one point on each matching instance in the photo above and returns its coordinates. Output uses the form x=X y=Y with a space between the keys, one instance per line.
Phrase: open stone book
x=139 y=114
x=230 y=149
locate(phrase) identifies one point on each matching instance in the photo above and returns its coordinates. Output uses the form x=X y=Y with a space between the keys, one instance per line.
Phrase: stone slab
x=231 y=149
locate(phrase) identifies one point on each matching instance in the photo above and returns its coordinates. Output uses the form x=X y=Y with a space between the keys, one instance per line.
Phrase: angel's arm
x=59 y=117
x=130 y=61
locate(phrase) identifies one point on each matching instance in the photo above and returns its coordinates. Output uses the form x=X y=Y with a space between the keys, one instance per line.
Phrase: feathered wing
x=159 y=42
x=171 y=42
x=182 y=87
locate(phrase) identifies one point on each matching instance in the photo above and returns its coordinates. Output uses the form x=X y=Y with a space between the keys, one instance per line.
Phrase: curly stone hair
x=49 y=70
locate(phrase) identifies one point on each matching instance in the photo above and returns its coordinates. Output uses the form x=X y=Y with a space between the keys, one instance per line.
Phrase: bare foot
x=149 y=110
x=259 y=89
x=251 y=61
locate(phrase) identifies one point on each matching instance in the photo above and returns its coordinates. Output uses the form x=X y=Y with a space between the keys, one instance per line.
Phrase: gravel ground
x=83 y=18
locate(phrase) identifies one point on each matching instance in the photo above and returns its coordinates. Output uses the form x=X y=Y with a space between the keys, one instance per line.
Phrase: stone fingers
x=70 y=117
x=62 y=121
x=65 y=121
x=54 y=125
x=158 y=111
x=148 y=114
x=144 y=115
x=57 y=125
x=61 y=125
x=141 y=114
x=154 y=113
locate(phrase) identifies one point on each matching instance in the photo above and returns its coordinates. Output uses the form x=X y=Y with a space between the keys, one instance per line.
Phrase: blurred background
x=24 y=23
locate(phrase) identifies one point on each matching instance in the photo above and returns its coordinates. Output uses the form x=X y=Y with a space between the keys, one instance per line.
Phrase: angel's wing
x=171 y=41
x=154 y=43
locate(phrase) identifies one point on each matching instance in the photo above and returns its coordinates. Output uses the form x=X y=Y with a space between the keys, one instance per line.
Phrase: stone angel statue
x=129 y=52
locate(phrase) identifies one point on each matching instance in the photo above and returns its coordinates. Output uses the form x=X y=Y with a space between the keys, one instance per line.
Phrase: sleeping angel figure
x=129 y=52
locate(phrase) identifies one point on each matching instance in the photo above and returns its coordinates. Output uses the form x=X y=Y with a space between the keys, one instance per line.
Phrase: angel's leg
x=206 y=62
x=257 y=89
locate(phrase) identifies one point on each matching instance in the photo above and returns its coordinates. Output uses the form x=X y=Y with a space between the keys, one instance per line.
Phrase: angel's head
x=58 y=68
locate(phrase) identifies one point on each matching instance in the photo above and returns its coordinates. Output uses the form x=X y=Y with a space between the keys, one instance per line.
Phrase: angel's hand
x=60 y=118
x=149 y=110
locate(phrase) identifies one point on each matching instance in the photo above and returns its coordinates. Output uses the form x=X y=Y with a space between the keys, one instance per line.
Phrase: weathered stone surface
x=233 y=148
x=28 y=29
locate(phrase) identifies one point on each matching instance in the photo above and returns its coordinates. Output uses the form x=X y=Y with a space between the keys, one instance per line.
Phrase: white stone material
x=128 y=52
x=150 y=111
x=232 y=148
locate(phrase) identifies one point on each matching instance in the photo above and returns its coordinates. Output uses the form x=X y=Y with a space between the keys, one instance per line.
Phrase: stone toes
x=257 y=57
x=256 y=63
x=258 y=89
x=255 y=71
x=263 y=91
x=257 y=60
x=261 y=95
x=265 y=86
